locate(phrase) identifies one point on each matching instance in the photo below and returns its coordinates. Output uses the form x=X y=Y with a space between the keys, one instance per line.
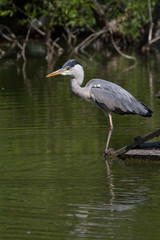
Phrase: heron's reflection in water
x=110 y=182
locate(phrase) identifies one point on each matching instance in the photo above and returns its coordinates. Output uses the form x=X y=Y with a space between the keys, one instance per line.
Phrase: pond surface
x=54 y=183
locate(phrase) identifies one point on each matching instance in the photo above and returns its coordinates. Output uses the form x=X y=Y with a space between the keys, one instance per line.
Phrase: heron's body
x=106 y=95
x=100 y=92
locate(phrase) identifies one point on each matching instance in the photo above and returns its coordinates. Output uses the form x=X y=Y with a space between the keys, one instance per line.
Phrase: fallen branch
x=158 y=95
x=138 y=140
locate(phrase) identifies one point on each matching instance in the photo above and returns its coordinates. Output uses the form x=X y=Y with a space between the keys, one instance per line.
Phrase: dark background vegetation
x=79 y=24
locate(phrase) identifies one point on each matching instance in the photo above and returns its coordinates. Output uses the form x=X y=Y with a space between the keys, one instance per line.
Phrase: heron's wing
x=111 y=97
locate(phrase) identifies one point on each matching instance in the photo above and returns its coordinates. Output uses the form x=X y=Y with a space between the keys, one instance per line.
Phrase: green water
x=54 y=183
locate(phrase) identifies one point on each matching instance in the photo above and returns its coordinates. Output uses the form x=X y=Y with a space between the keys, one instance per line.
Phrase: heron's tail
x=149 y=114
x=149 y=111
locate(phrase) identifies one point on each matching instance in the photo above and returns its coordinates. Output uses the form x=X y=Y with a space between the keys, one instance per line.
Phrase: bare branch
x=2 y=53
x=87 y=25
x=71 y=36
x=154 y=40
x=11 y=37
x=150 y=33
x=89 y=39
x=119 y=51
x=25 y=43
x=151 y=22
x=37 y=29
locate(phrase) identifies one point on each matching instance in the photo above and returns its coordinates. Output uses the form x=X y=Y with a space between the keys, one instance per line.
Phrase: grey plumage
x=106 y=95
x=111 y=97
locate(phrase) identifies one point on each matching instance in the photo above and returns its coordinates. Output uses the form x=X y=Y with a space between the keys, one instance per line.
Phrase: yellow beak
x=55 y=73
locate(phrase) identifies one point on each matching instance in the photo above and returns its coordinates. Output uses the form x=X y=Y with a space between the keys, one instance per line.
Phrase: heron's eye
x=67 y=68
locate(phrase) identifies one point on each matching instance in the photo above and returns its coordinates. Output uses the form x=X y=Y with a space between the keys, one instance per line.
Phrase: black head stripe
x=70 y=63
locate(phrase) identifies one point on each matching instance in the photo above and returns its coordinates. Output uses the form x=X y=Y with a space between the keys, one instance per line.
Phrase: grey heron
x=108 y=96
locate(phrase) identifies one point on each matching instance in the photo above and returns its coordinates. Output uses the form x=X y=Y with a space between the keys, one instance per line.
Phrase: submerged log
x=143 y=154
x=137 y=141
x=158 y=95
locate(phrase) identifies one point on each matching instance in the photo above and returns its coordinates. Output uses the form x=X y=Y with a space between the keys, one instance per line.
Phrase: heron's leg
x=109 y=131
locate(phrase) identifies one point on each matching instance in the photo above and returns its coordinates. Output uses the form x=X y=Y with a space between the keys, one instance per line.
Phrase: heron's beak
x=60 y=71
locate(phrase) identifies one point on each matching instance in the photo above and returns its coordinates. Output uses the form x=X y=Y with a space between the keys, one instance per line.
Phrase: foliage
x=136 y=16
x=7 y=8
x=131 y=15
x=57 y=13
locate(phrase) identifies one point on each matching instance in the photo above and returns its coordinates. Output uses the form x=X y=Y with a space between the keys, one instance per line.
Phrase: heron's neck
x=75 y=85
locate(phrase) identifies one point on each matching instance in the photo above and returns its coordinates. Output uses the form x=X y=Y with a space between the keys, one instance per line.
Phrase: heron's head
x=71 y=67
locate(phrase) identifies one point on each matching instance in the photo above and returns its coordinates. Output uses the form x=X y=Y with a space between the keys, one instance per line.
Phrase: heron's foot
x=105 y=155
x=110 y=151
